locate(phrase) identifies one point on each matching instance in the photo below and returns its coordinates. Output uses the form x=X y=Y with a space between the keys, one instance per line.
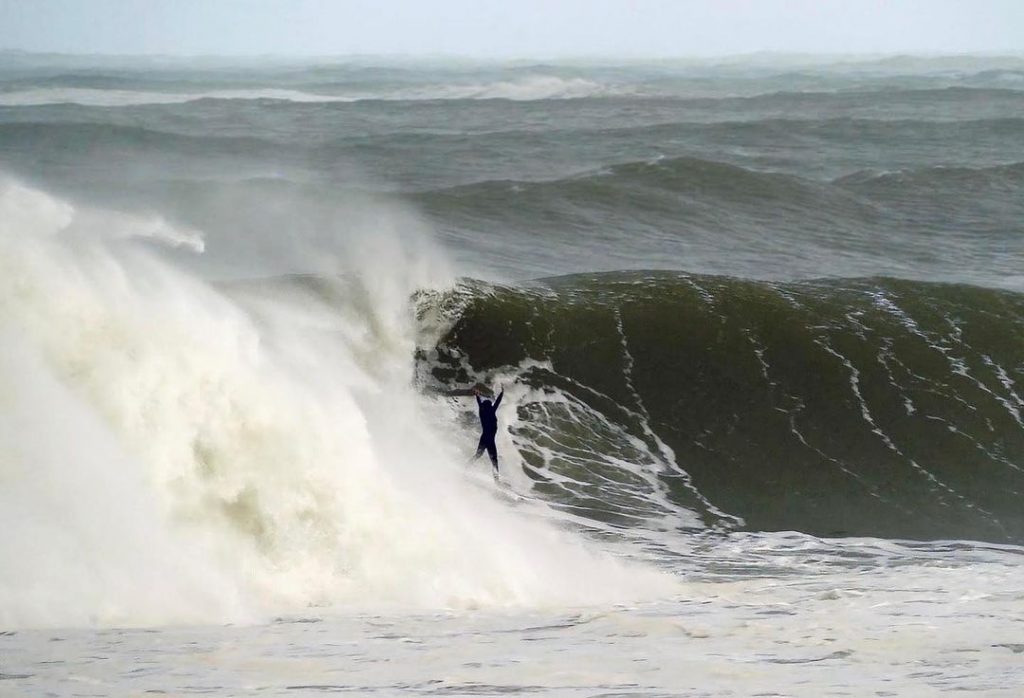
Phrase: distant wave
x=833 y=130
x=963 y=178
x=123 y=93
x=87 y=137
x=695 y=179
x=536 y=87
x=128 y=98
x=642 y=183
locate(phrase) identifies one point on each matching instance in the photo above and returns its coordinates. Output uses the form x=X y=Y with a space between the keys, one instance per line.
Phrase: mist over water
x=241 y=439
x=758 y=323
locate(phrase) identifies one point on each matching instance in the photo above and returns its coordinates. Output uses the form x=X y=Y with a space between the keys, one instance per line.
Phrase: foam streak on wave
x=829 y=407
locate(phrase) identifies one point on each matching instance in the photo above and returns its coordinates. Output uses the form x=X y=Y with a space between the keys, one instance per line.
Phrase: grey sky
x=503 y=28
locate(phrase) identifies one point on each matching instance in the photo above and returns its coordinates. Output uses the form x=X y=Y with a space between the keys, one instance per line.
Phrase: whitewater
x=759 y=329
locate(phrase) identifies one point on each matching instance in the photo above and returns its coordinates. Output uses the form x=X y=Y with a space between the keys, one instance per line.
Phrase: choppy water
x=759 y=325
x=805 y=618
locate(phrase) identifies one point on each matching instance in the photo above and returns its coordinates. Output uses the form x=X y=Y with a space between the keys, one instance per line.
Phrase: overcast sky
x=510 y=28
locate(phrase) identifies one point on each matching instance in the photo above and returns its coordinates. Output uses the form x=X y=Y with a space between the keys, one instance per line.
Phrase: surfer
x=489 y=428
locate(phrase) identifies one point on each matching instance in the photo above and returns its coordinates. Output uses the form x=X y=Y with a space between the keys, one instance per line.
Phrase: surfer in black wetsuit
x=489 y=427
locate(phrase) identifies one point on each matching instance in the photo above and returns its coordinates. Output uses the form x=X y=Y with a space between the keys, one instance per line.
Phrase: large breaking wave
x=850 y=407
x=174 y=451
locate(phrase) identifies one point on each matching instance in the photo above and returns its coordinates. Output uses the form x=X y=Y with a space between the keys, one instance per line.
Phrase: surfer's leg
x=480 y=447
x=492 y=451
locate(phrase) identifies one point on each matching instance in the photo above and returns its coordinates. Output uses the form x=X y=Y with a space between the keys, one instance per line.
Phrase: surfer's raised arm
x=498 y=401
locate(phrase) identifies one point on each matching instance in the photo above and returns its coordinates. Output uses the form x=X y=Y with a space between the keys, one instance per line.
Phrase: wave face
x=872 y=407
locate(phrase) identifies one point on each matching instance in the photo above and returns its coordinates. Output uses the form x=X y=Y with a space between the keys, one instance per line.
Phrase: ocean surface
x=759 y=323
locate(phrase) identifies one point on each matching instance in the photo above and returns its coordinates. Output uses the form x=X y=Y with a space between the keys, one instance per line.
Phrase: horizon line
x=764 y=53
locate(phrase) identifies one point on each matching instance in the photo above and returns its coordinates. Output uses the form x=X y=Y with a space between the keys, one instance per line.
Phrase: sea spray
x=273 y=434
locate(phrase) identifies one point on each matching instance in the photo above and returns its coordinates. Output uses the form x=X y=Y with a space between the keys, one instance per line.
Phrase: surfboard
x=505 y=493
x=497 y=489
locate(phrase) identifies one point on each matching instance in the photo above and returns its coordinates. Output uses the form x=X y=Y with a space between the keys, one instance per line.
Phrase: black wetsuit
x=489 y=427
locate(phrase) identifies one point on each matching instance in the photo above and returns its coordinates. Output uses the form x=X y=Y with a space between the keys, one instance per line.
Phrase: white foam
x=93 y=97
x=170 y=450
x=529 y=88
